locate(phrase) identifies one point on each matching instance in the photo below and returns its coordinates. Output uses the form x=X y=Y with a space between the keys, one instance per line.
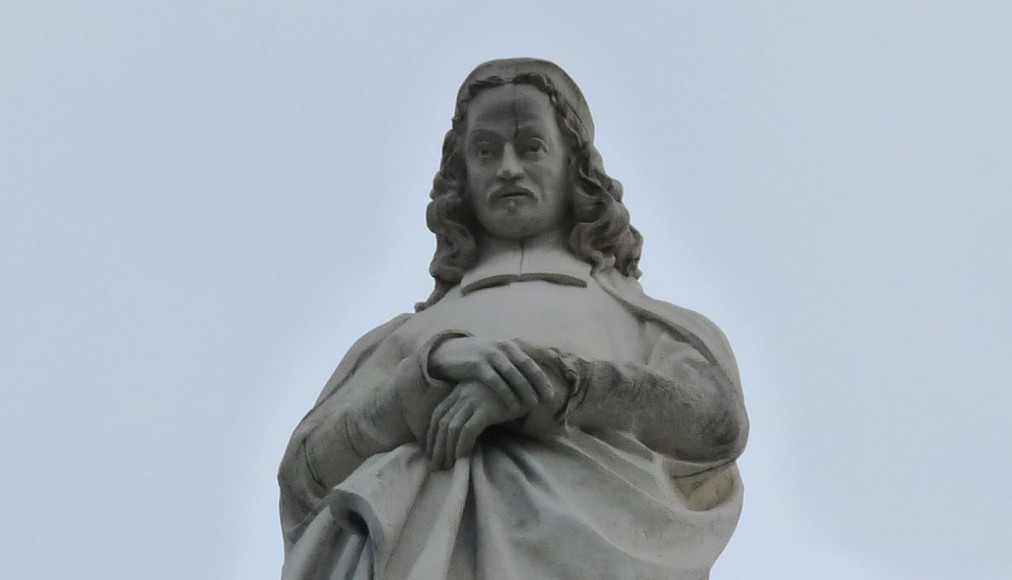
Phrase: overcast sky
x=204 y=203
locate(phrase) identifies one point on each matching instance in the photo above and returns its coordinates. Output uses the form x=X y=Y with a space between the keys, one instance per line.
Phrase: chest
x=585 y=321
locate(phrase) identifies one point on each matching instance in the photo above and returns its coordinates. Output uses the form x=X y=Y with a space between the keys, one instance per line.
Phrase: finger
x=491 y=378
x=459 y=417
x=530 y=349
x=436 y=457
x=516 y=380
x=438 y=413
x=533 y=372
x=469 y=434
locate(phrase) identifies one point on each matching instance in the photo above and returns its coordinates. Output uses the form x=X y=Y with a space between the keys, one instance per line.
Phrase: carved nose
x=509 y=167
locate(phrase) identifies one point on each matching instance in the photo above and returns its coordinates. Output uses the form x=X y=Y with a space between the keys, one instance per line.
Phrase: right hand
x=500 y=365
x=460 y=418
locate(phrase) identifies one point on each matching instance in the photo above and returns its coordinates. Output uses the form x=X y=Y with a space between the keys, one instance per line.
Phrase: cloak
x=579 y=505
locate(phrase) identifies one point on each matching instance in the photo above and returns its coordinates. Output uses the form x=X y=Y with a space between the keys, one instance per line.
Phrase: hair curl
x=601 y=234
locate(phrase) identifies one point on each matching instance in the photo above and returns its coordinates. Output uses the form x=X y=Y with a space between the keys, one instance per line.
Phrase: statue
x=538 y=416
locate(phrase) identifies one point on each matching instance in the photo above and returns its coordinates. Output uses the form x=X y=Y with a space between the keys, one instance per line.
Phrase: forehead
x=508 y=107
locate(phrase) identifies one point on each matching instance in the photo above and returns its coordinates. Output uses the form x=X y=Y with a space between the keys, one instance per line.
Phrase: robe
x=568 y=504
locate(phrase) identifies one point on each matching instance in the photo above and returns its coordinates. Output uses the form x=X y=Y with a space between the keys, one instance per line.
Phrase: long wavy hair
x=601 y=232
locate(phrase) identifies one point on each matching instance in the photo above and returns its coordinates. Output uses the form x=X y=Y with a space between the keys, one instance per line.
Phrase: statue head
x=544 y=175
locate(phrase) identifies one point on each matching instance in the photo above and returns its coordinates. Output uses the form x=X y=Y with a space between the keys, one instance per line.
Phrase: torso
x=584 y=321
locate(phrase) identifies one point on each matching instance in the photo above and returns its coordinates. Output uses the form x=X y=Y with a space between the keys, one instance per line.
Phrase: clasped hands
x=496 y=381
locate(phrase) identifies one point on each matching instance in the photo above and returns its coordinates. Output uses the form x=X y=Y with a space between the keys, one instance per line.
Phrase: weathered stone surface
x=538 y=416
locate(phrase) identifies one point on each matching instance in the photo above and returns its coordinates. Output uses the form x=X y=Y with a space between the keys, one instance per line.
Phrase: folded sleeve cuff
x=426 y=351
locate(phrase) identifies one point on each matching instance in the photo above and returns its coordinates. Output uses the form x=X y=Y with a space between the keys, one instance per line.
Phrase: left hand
x=460 y=418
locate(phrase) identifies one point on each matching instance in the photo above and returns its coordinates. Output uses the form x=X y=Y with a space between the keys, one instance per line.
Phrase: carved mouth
x=511 y=192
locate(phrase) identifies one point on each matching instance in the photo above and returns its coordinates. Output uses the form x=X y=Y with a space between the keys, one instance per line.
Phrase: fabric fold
x=509 y=510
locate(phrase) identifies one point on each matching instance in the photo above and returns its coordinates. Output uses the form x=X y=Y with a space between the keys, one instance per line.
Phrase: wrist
x=575 y=373
x=429 y=371
x=418 y=392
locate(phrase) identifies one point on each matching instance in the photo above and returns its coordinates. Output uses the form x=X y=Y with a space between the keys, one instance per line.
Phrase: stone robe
x=567 y=503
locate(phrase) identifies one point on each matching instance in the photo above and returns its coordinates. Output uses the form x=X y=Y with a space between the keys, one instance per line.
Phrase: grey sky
x=202 y=204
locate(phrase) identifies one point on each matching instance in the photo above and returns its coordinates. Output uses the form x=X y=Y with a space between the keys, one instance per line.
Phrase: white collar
x=544 y=258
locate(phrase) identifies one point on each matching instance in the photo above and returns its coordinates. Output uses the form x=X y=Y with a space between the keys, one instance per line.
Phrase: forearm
x=355 y=431
x=343 y=431
x=323 y=451
x=692 y=412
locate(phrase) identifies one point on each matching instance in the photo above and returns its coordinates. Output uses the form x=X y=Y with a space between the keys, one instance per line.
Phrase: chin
x=511 y=235
x=516 y=226
x=515 y=230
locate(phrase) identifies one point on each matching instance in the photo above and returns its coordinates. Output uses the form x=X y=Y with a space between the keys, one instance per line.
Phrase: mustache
x=510 y=191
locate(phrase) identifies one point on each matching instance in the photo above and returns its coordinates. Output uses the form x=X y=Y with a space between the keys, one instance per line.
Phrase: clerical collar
x=503 y=263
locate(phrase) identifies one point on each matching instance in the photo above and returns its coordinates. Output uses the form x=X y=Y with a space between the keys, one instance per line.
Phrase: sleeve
x=321 y=451
x=375 y=401
x=676 y=401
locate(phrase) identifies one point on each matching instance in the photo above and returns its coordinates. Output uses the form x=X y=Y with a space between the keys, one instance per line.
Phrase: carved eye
x=536 y=146
x=483 y=149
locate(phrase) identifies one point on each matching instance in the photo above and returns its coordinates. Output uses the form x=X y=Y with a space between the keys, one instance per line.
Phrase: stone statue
x=538 y=416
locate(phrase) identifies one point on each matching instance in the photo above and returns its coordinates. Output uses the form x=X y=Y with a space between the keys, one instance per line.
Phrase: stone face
x=538 y=416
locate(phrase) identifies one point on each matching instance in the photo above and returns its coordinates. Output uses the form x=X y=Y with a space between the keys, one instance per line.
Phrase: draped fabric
x=574 y=506
x=567 y=505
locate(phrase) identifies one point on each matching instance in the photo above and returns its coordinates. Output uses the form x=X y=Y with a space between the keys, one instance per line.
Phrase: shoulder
x=629 y=290
x=689 y=325
x=360 y=351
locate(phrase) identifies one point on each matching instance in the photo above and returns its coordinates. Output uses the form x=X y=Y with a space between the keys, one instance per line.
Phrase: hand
x=548 y=359
x=500 y=365
x=542 y=420
x=458 y=421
